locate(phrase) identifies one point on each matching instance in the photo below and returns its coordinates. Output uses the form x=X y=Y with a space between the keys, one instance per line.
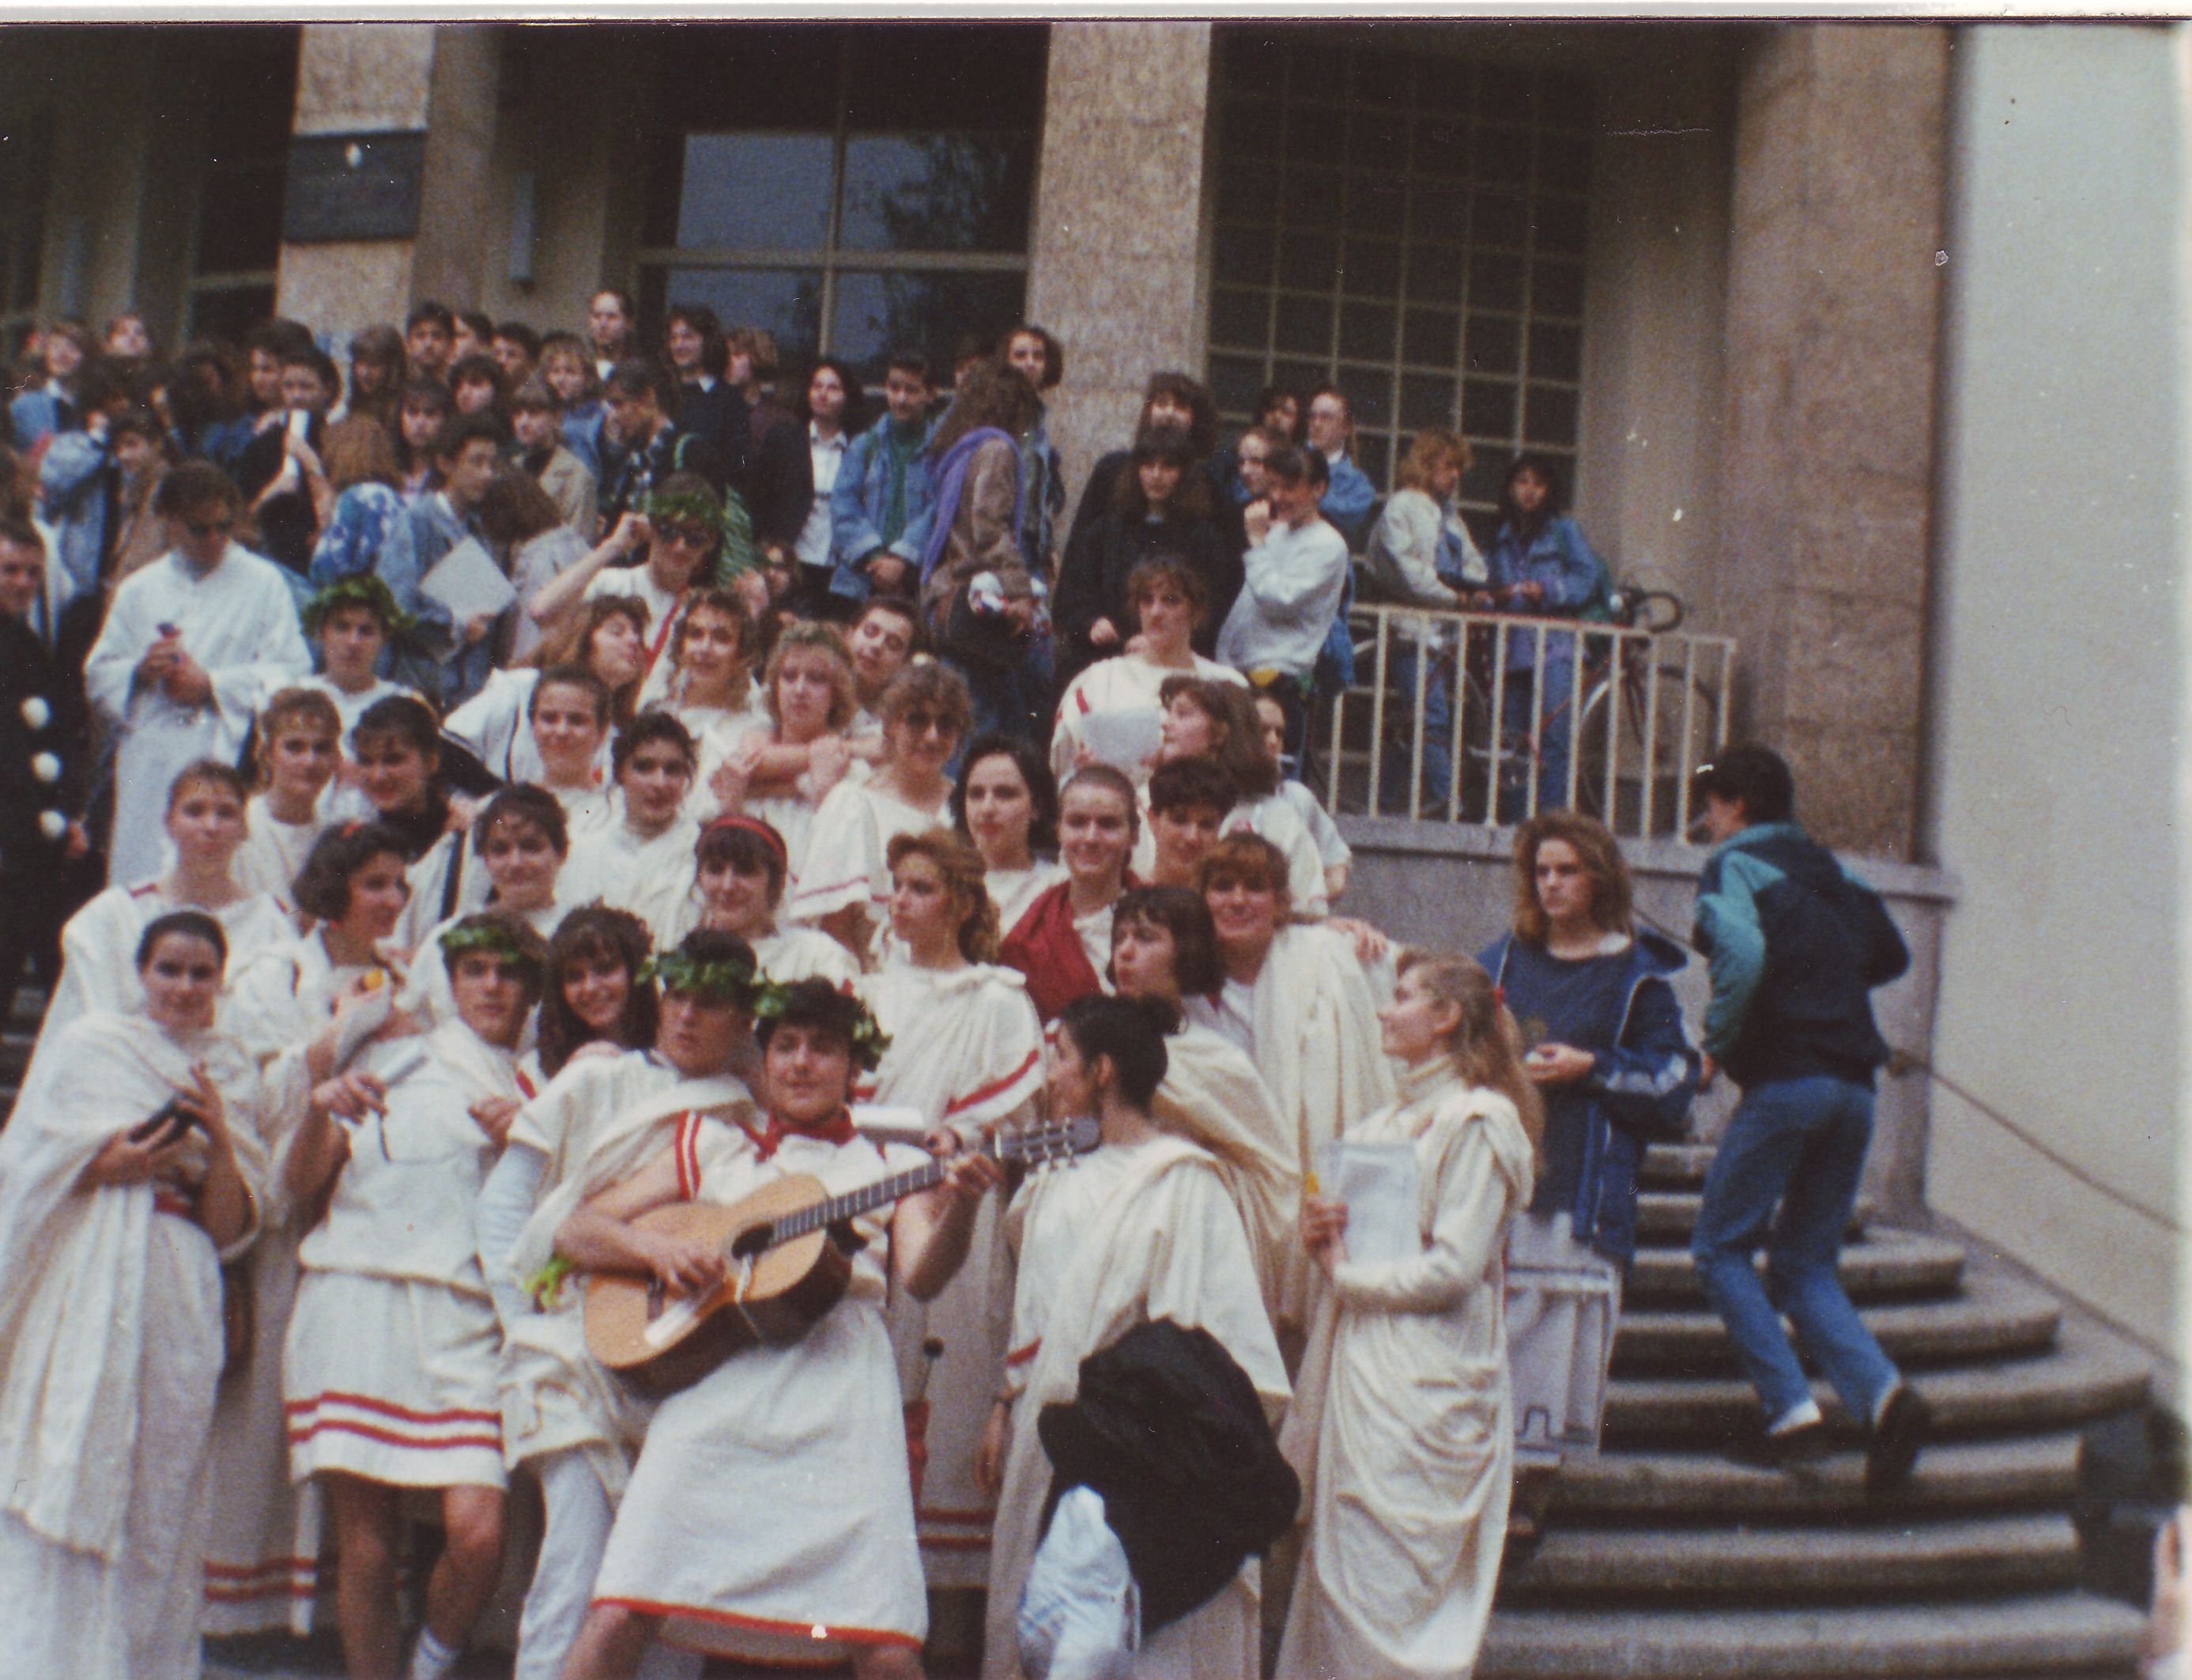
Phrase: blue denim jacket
x=1347 y=502
x=856 y=508
x=1558 y=558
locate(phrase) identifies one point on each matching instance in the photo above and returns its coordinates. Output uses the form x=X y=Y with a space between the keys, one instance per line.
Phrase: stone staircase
x=1665 y=1560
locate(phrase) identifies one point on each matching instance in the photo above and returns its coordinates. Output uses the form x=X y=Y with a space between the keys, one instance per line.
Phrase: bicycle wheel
x=1642 y=748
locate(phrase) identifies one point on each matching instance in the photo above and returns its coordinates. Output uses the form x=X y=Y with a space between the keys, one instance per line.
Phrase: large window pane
x=937 y=192
x=786 y=303
x=878 y=313
x=754 y=192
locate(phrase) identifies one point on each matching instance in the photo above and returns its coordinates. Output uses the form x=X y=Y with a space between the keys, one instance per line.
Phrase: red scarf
x=839 y=1131
x=1045 y=949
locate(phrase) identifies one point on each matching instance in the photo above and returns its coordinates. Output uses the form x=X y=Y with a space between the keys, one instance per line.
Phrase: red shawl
x=1044 y=948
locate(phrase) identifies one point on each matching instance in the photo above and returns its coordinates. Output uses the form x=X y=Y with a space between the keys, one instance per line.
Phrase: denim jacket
x=858 y=502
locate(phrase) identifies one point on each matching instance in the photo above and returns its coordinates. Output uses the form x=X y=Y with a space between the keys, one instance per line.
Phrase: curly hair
x=338 y=857
x=822 y=638
x=964 y=877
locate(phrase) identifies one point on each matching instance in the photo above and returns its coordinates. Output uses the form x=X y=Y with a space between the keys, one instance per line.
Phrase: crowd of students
x=443 y=949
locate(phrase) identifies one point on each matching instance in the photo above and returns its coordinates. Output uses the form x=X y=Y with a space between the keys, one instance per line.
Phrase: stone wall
x=1833 y=340
x=1450 y=887
x=1116 y=266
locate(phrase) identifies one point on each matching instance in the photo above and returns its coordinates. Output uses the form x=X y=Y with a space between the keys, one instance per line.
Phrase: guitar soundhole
x=752 y=1243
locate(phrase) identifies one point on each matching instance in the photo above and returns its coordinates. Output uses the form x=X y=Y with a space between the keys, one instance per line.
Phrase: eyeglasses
x=686 y=536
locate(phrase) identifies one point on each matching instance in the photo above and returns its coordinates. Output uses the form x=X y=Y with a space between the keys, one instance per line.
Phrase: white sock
x=1796 y=1417
x=430 y=1660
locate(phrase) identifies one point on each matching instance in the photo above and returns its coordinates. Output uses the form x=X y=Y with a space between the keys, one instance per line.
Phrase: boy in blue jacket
x=1796 y=946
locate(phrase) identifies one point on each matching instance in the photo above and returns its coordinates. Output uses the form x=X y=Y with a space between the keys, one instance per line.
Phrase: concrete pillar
x=1115 y=268
x=366 y=78
x=1833 y=336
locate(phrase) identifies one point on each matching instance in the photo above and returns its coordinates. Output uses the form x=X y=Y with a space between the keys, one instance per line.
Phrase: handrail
x=1446 y=719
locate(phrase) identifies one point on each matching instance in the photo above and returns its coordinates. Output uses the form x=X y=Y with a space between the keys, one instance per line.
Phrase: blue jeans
x=1784 y=1180
x=1553 y=731
x=1433 y=733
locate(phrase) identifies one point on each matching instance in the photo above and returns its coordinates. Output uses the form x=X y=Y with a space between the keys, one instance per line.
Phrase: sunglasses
x=686 y=536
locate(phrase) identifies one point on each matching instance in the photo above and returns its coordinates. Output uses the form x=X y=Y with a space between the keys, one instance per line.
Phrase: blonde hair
x=822 y=638
x=1485 y=1045
x=1434 y=447
x=963 y=872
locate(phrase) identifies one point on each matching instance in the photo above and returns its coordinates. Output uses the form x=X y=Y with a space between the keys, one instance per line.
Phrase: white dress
x=1124 y=685
x=262 y=1560
x=111 y=1348
x=617 y=865
x=394 y=1347
x=1124 y=1237
x=1313 y=1035
x=99 y=947
x=599 y=1119
x=1402 y=1433
x=273 y=852
x=238 y=621
x=966 y=1052
x=847 y=860
x=1013 y=890
x=811 y=1434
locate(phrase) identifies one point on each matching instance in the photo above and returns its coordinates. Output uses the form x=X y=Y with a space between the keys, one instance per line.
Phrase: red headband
x=763 y=831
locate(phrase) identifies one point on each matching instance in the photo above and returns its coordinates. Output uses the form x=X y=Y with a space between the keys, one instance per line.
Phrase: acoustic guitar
x=788 y=1249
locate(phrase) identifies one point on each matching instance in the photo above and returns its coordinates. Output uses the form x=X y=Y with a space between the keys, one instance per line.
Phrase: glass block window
x=851 y=191
x=1409 y=228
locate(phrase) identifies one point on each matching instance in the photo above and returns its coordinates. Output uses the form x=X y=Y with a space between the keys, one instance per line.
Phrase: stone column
x=1115 y=268
x=368 y=78
x=1834 y=316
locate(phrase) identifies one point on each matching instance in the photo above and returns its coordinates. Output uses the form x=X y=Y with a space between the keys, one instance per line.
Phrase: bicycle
x=1646 y=715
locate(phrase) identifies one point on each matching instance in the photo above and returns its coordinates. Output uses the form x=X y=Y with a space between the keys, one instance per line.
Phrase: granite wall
x=1116 y=266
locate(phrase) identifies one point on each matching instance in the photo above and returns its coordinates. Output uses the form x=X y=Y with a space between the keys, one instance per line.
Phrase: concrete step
x=1668 y=1215
x=2082 y=1378
x=1952 y=1475
x=1675 y=1166
x=1992 y=1318
x=2059 y=1633
x=2002 y=1554
x=1886 y=1265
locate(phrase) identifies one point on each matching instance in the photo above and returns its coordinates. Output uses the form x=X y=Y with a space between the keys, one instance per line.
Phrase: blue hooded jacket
x=1637 y=1095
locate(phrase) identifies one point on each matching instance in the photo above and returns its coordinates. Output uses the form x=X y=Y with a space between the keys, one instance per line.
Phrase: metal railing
x=1491 y=718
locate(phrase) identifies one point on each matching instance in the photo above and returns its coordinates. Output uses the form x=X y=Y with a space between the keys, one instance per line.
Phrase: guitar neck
x=854 y=1203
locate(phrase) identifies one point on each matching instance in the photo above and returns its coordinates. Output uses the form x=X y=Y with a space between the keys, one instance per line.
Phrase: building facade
x=1855 y=337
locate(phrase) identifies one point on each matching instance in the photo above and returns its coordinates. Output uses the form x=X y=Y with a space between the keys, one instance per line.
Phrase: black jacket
x=1168 y=1430
x=44 y=748
x=1795 y=944
x=1092 y=580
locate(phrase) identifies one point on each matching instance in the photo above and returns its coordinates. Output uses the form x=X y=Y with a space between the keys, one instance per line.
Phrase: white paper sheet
x=467 y=581
x=1124 y=738
x=1378 y=1183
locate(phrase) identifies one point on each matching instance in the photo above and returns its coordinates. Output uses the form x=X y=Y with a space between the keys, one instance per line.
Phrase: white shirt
x=828 y=453
x=1290 y=592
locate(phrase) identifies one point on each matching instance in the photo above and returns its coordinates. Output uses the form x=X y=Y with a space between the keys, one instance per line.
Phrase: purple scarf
x=950 y=479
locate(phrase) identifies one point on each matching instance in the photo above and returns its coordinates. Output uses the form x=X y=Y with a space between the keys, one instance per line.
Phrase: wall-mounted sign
x=353 y=186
